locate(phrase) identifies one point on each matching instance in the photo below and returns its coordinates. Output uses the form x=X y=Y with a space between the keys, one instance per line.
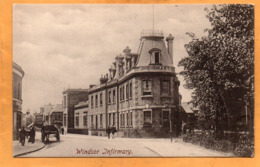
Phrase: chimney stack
x=169 y=40
x=103 y=79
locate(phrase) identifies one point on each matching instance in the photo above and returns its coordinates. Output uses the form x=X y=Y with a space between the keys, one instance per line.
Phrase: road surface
x=74 y=145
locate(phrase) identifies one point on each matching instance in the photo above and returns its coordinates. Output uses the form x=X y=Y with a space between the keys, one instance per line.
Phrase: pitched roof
x=148 y=44
x=56 y=108
x=75 y=90
x=47 y=109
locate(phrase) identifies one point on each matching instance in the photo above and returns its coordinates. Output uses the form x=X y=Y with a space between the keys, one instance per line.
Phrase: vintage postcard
x=132 y=81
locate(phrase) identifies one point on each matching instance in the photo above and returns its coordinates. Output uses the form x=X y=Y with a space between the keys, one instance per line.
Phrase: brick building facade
x=46 y=113
x=71 y=97
x=18 y=75
x=56 y=115
x=80 y=118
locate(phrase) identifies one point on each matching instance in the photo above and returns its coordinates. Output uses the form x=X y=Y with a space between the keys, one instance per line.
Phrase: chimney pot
x=169 y=40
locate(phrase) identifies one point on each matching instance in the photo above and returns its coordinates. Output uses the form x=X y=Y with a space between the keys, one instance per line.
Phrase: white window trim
x=151 y=114
x=169 y=110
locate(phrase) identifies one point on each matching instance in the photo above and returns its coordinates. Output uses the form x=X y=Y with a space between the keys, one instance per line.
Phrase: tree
x=220 y=66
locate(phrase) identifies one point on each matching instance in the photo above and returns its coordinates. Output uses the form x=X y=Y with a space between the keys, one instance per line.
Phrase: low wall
x=78 y=131
x=145 y=133
x=97 y=132
x=130 y=133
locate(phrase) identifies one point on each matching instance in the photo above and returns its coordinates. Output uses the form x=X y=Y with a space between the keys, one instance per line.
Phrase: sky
x=69 y=46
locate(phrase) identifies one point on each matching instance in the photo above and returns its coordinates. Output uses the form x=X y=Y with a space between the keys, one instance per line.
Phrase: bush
x=245 y=146
x=207 y=140
x=223 y=145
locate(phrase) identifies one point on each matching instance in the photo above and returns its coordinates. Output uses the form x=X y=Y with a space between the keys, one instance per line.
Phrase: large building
x=18 y=75
x=71 y=97
x=140 y=95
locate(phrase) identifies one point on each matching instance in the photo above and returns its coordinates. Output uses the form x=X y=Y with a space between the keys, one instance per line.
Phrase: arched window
x=155 y=56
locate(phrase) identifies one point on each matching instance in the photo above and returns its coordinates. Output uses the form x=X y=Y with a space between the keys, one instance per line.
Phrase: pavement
x=19 y=150
x=164 y=147
x=179 y=148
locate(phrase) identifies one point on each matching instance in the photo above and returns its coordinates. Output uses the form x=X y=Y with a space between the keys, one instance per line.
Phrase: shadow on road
x=52 y=143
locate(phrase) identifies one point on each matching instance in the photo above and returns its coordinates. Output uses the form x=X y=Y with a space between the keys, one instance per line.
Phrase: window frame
x=92 y=121
x=114 y=118
x=169 y=87
x=127 y=91
x=101 y=99
x=144 y=91
x=127 y=119
x=85 y=119
x=130 y=90
x=153 y=52
x=114 y=96
x=131 y=118
x=96 y=100
x=101 y=121
x=77 y=119
x=165 y=110
x=123 y=92
x=151 y=116
x=109 y=97
x=109 y=119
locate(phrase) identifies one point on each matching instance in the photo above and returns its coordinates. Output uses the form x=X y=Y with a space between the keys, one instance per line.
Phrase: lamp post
x=166 y=106
x=170 y=124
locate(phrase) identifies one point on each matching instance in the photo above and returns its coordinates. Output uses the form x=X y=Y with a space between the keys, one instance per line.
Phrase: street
x=74 y=145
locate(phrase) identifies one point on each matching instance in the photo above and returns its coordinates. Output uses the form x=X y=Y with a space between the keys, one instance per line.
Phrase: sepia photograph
x=133 y=80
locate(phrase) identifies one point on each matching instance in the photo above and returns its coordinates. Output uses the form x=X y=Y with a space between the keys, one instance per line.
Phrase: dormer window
x=155 y=56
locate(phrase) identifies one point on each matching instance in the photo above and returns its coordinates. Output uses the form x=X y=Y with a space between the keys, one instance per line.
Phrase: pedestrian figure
x=184 y=128
x=62 y=130
x=32 y=135
x=22 y=136
x=108 y=132
x=113 y=131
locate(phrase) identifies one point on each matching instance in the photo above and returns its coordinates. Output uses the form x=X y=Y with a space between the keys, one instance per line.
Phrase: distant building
x=80 y=118
x=41 y=110
x=56 y=115
x=39 y=119
x=188 y=113
x=71 y=97
x=140 y=96
x=46 y=113
x=18 y=75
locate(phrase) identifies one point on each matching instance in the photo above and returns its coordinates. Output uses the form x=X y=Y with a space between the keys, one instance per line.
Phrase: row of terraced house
x=139 y=95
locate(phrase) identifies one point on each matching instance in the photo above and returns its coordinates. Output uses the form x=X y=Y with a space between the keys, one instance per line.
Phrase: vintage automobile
x=48 y=130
